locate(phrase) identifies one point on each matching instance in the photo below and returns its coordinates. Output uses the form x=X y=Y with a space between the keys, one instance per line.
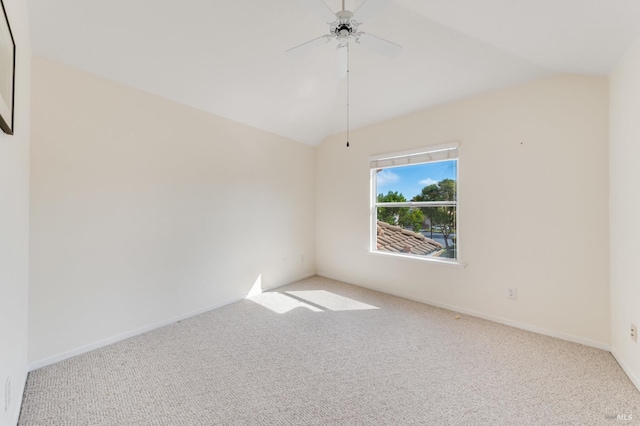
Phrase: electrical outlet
x=7 y=394
x=634 y=333
x=512 y=293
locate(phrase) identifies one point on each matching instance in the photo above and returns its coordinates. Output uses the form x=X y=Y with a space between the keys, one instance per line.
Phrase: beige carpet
x=319 y=352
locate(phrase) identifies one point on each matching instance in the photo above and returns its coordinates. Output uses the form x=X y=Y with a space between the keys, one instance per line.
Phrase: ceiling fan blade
x=380 y=45
x=369 y=8
x=342 y=61
x=320 y=8
x=304 y=47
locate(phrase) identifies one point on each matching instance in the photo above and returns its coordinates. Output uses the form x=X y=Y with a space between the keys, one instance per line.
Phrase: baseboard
x=110 y=340
x=114 y=339
x=279 y=284
x=500 y=320
x=23 y=384
x=634 y=379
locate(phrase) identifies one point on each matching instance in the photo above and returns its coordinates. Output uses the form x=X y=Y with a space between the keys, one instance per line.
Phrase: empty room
x=319 y=212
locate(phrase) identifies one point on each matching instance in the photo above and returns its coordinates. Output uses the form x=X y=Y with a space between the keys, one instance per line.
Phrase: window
x=414 y=203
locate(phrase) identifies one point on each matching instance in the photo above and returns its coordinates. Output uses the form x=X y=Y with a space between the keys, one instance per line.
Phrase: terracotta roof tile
x=395 y=239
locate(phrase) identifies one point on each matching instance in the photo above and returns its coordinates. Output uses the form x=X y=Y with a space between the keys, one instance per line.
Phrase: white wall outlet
x=512 y=293
x=634 y=333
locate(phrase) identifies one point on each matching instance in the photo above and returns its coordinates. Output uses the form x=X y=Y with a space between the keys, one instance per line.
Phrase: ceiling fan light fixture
x=344 y=26
x=343 y=29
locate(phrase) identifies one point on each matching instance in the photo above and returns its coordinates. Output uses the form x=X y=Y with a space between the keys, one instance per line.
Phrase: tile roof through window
x=395 y=239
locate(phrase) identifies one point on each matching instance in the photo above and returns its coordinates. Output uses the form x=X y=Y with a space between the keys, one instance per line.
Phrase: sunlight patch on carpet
x=331 y=301
x=281 y=303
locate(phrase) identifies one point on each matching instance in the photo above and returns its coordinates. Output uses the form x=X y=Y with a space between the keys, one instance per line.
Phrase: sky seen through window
x=409 y=180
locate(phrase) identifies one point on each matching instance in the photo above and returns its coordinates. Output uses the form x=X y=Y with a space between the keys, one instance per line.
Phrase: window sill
x=433 y=260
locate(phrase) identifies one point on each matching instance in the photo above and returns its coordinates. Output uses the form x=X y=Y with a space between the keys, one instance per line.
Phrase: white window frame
x=430 y=154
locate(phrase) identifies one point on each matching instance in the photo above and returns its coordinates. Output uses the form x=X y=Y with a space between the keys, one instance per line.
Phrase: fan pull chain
x=348 y=95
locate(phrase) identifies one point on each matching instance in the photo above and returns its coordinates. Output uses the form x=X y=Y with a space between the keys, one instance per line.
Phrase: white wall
x=14 y=224
x=145 y=210
x=533 y=207
x=625 y=209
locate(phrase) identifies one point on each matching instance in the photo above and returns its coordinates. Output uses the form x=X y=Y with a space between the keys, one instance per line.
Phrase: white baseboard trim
x=117 y=338
x=279 y=284
x=634 y=379
x=20 y=396
x=114 y=339
x=505 y=321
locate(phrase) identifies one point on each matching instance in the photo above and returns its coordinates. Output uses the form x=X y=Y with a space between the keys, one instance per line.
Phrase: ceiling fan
x=343 y=27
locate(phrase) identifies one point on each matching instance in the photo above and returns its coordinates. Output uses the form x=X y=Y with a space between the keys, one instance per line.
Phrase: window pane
x=421 y=182
x=440 y=225
x=415 y=230
x=424 y=231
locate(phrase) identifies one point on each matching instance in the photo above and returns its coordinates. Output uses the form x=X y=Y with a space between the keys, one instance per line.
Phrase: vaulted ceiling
x=227 y=57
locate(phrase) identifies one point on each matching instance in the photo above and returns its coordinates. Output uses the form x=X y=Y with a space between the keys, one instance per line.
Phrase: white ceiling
x=227 y=57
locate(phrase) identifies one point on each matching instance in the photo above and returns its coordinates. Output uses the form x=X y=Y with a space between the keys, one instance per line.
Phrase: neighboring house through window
x=414 y=203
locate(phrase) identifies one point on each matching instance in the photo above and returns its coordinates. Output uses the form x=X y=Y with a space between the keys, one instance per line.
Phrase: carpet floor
x=320 y=352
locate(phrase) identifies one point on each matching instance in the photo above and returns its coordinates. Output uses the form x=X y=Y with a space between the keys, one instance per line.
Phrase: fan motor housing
x=345 y=26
